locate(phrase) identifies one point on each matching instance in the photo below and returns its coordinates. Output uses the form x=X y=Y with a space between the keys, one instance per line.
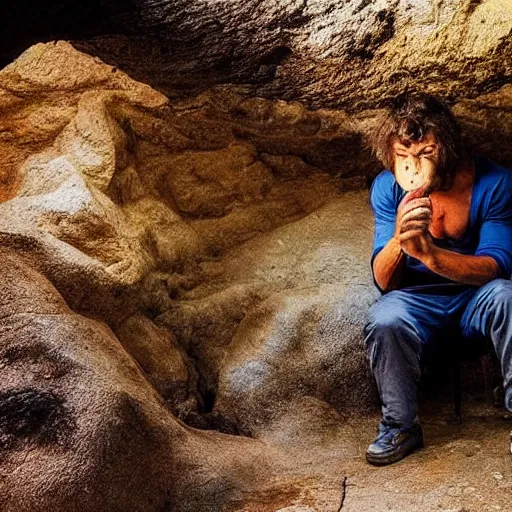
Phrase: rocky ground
x=463 y=468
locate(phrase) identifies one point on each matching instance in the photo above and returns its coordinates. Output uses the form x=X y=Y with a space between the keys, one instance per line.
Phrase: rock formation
x=192 y=256
x=142 y=225
x=81 y=428
x=327 y=54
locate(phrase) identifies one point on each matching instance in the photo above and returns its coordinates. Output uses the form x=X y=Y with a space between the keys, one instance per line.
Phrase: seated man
x=441 y=258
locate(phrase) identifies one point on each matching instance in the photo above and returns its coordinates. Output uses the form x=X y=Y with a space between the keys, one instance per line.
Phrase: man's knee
x=500 y=287
x=384 y=315
x=497 y=293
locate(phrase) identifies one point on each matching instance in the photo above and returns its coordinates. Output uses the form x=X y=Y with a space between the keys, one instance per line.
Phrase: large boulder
x=82 y=429
x=299 y=343
x=284 y=315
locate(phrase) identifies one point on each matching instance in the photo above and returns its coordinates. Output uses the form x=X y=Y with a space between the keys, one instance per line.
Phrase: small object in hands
x=411 y=177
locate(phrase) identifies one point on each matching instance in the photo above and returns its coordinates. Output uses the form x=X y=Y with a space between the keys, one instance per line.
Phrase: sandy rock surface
x=111 y=215
x=81 y=428
x=193 y=262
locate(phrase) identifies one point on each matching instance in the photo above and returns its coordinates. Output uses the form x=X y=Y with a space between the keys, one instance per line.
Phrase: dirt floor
x=464 y=467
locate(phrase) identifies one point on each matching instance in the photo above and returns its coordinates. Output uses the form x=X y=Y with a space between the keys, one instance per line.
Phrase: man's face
x=415 y=166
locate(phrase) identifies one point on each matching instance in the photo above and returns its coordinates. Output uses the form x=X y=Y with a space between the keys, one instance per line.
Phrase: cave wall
x=124 y=225
x=350 y=55
x=189 y=186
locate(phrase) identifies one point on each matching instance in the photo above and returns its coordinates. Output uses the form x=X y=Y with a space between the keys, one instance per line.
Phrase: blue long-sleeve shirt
x=489 y=231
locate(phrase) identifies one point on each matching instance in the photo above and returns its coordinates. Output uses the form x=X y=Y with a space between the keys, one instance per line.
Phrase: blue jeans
x=404 y=325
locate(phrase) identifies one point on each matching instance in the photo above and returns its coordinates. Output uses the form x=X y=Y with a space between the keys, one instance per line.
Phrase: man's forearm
x=462 y=268
x=388 y=266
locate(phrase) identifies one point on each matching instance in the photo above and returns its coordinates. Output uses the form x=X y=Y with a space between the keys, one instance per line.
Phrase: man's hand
x=417 y=244
x=412 y=220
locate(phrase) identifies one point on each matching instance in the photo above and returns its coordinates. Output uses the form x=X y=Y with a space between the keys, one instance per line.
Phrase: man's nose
x=414 y=162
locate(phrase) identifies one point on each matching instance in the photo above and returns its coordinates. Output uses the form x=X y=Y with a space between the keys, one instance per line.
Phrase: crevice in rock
x=33 y=416
x=384 y=31
x=343 y=494
x=206 y=418
x=277 y=56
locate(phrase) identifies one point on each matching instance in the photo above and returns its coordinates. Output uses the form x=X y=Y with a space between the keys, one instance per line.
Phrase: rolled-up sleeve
x=495 y=238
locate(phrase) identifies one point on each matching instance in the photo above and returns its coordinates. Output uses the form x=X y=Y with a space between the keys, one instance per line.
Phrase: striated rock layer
x=327 y=54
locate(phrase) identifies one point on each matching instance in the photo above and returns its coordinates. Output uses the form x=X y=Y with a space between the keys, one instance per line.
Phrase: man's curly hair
x=409 y=118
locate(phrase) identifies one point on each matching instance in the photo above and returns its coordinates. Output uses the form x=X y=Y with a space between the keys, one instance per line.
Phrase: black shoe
x=393 y=444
